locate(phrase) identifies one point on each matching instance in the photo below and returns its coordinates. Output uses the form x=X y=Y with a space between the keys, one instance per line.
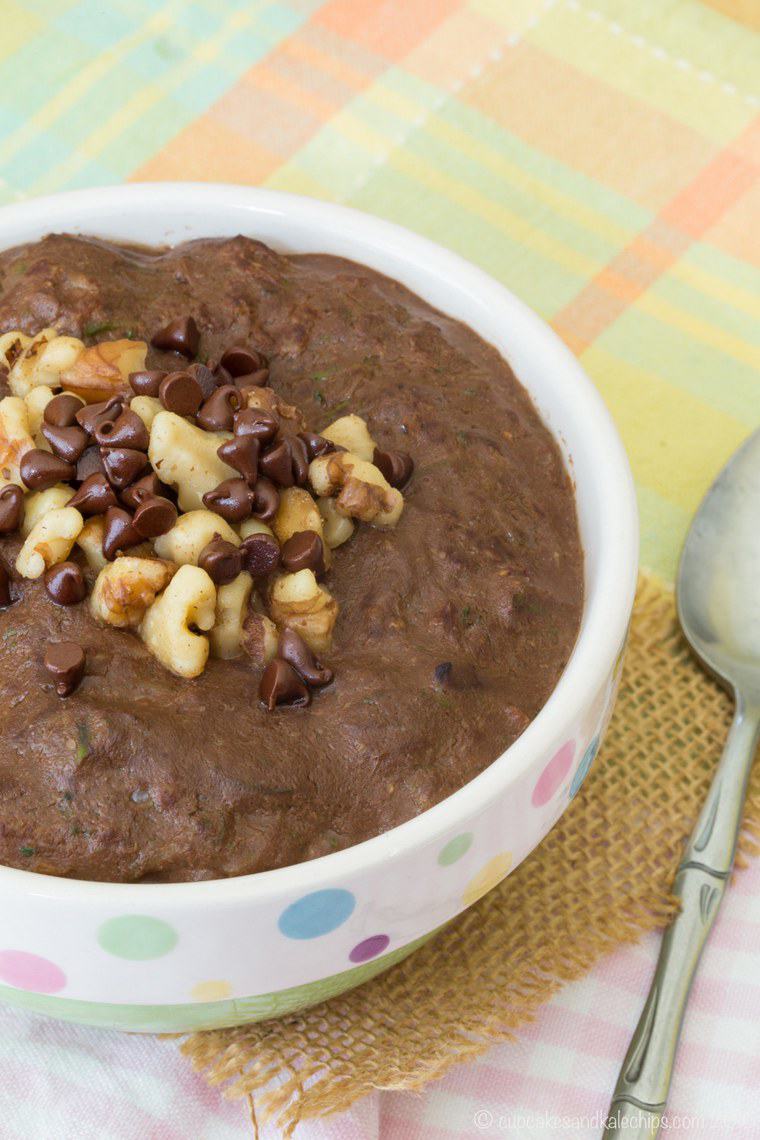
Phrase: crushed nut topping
x=205 y=511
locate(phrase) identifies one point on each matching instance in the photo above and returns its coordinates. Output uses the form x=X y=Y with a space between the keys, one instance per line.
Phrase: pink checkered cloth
x=61 y=1082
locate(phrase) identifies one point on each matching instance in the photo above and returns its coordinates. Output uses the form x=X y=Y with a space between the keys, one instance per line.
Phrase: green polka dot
x=137 y=937
x=455 y=848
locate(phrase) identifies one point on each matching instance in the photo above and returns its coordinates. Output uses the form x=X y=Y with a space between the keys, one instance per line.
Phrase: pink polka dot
x=553 y=774
x=30 y=972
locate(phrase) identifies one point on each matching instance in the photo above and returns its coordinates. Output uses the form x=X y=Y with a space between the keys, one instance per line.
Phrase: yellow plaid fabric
x=600 y=157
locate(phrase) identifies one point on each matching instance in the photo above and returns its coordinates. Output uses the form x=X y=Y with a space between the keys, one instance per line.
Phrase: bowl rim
x=607 y=607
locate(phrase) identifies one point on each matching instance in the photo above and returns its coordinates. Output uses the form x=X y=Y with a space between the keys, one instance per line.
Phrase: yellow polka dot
x=493 y=872
x=211 y=991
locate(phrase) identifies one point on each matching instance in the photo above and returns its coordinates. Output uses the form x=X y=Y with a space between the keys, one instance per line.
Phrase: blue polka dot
x=583 y=768
x=317 y=913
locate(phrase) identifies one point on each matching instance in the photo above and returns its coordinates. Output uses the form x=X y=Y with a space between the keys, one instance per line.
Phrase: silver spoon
x=718 y=594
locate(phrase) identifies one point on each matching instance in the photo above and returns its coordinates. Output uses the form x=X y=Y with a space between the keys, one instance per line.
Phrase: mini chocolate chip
x=266 y=500
x=300 y=460
x=90 y=415
x=261 y=555
x=65 y=661
x=124 y=430
x=181 y=336
x=123 y=464
x=286 y=462
x=221 y=560
x=252 y=379
x=257 y=422
x=205 y=377
x=180 y=393
x=281 y=685
x=296 y=652
x=240 y=360
x=40 y=470
x=232 y=499
x=62 y=410
x=154 y=516
x=241 y=453
x=94 y=497
x=442 y=673
x=221 y=375
x=11 y=508
x=67 y=443
x=144 y=488
x=65 y=584
x=277 y=464
x=89 y=463
x=396 y=466
x=119 y=533
x=303 y=551
x=217 y=413
x=147 y=382
x=6 y=597
x=316 y=445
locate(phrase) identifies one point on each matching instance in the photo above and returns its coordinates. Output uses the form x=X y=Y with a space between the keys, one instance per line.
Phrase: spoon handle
x=700 y=883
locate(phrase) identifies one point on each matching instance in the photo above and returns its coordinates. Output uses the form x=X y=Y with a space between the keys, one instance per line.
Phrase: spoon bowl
x=718 y=585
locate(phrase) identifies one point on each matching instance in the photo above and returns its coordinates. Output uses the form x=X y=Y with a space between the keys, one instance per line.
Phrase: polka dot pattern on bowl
x=455 y=849
x=369 y=948
x=212 y=990
x=550 y=780
x=487 y=877
x=317 y=913
x=27 y=971
x=138 y=937
x=584 y=767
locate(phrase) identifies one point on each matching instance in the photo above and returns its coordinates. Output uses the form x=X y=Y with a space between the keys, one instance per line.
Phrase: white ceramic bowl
x=173 y=957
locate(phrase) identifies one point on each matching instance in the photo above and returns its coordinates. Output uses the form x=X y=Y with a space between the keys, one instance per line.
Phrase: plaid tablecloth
x=601 y=158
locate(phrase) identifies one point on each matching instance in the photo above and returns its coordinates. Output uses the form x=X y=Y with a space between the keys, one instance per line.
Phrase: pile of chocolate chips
x=102 y=449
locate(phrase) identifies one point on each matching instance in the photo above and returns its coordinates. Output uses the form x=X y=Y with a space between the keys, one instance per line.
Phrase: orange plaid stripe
x=686 y=218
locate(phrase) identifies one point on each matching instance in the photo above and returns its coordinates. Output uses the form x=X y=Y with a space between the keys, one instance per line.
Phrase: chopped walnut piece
x=168 y=629
x=42 y=361
x=126 y=587
x=365 y=499
x=297 y=512
x=254 y=526
x=190 y=534
x=269 y=401
x=259 y=638
x=352 y=433
x=299 y=602
x=363 y=491
x=12 y=344
x=231 y=612
x=90 y=541
x=185 y=457
x=336 y=528
x=15 y=439
x=147 y=408
x=49 y=541
x=103 y=369
x=40 y=502
x=36 y=401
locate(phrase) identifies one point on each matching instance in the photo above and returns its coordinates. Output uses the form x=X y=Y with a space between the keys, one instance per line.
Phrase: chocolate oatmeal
x=286 y=557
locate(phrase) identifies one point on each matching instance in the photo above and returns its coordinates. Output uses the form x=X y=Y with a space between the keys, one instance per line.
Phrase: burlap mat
x=601 y=878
